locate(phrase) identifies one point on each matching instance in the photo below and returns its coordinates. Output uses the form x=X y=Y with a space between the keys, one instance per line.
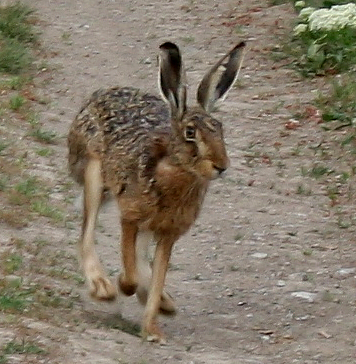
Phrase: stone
x=259 y=255
x=308 y=296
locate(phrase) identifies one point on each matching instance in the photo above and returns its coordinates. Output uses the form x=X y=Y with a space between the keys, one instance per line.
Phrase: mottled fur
x=157 y=162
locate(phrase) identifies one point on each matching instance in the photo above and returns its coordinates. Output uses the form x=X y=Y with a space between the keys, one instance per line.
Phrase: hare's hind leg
x=167 y=306
x=128 y=278
x=99 y=284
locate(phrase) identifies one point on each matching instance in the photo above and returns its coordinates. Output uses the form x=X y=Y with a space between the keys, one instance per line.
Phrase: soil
x=268 y=273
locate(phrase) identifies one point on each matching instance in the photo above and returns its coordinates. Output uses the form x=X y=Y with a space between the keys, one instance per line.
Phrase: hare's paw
x=102 y=289
x=152 y=333
x=167 y=305
x=126 y=287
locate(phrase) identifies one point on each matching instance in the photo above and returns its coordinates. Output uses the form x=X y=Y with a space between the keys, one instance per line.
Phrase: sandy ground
x=267 y=275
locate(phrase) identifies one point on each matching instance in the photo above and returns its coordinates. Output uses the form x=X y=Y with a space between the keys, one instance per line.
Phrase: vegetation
x=323 y=41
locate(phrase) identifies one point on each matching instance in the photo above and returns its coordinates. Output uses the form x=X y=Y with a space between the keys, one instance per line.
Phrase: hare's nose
x=219 y=169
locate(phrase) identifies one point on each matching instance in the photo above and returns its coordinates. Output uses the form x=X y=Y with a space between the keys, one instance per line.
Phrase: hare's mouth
x=217 y=171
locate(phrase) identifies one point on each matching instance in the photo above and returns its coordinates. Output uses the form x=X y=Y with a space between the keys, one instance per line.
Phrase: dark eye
x=190 y=134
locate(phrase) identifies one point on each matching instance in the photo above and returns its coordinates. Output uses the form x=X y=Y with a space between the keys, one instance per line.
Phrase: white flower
x=337 y=17
x=300 y=28
x=305 y=13
x=299 y=4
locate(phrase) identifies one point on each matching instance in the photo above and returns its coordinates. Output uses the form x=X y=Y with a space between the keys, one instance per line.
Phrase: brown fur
x=157 y=166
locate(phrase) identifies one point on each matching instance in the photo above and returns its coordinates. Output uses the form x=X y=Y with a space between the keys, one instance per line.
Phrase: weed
x=66 y=37
x=307 y=252
x=333 y=193
x=343 y=224
x=16 y=102
x=43 y=208
x=15 y=23
x=13 y=299
x=32 y=119
x=44 y=136
x=44 y=152
x=16 y=36
x=3 y=146
x=3 y=183
x=338 y=107
x=234 y=268
x=15 y=82
x=11 y=262
x=319 y=171
x=14 y=56
x=22 y=347
x=28 y=187
x=301 y=190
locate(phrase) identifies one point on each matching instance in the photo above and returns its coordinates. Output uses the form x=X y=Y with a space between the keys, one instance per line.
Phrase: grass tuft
x=44 y=136
x=15 y=23
x=22 y=347
x=14 y=56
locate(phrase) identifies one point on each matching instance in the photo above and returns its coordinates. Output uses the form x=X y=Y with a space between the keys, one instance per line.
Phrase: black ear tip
x=241 y=45
x=169 y=46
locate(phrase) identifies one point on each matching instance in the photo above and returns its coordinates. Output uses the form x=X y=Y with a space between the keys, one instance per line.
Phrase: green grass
x=338 y=105
x=15 y=82
x=22 y=347
x=3 y=183
x=44 y=136
x=11 y=262
x=15 y=23
x=44 y=152
x=319 y=52
x=44 y=208
x=16 y=102
x=28 y=187
x=3 y=145
x=13 y=299
x=17 y=36
x=14 y=56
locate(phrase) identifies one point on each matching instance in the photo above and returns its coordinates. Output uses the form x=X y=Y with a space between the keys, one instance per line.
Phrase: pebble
x=344 y=272
x=259 y=255
x=281 y=283
x=308 y=296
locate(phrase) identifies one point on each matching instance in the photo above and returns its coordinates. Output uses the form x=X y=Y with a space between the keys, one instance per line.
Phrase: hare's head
x=198 y=137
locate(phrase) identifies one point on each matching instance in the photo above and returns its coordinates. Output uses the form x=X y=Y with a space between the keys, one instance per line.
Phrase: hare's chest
x=179 y=200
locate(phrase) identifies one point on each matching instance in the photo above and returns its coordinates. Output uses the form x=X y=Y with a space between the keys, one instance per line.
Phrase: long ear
x=220 y=78
x=172 y=79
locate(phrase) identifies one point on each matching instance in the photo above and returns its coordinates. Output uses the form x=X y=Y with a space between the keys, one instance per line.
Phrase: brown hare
x=157 y=162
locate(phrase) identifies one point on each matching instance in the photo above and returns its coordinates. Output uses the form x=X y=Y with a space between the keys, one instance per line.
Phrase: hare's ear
x=220 y=78
x=172 y=79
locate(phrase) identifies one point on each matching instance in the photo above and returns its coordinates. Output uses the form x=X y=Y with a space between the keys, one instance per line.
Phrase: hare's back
x=116 y=123
x=123 y=110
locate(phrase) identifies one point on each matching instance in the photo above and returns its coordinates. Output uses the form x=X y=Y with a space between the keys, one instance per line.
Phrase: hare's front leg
x=167 y=306
x=99 y=284
x=150 y=329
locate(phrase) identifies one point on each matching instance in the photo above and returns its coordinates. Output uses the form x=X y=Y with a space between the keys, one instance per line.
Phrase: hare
x=157 y=163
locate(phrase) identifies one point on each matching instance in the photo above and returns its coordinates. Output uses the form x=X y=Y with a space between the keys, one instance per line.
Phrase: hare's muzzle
x=220 y=170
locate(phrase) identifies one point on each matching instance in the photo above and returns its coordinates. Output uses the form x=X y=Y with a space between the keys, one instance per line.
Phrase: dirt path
x=261 y=277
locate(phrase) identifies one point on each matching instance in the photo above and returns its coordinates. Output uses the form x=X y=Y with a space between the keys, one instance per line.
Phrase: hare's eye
x=190 y=134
